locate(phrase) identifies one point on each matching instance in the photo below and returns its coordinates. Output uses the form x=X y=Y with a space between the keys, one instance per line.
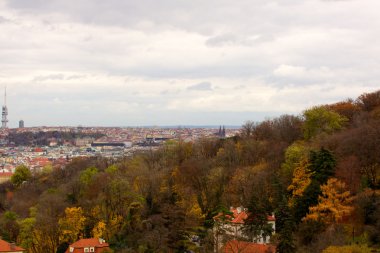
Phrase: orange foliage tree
x=334 y=203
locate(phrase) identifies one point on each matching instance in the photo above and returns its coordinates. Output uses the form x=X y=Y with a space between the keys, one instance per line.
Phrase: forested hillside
x=318 y=172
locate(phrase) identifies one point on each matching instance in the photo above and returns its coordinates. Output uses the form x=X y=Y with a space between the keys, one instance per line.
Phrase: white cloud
x=65 y=64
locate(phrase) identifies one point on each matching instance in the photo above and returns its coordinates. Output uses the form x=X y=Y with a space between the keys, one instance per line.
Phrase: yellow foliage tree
x=186 y=198
x=334 y=204
x=72 y=224
x=99 y=229
x=348 y=249
x=301 y=180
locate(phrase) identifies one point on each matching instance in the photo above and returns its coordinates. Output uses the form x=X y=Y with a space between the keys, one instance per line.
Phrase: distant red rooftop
x=9 y=247
x=248 y=247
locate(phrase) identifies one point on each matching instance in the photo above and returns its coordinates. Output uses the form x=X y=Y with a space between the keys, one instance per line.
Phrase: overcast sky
x=181 y=62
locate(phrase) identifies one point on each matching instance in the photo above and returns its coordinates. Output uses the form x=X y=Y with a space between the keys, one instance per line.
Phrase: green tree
x=322 y=164
x=285 y=226
x=87 y=175
x=256 y=224
x=294 y=154
x=22 y=174
x=27 y=237
x=9 y=227
x=320 y=119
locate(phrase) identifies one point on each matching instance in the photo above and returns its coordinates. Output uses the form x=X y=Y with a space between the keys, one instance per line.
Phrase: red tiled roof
x=6 y=174
x=41 y=159
x=8 y=247
x=248 y=247
x=87 y=243
x=239 y=217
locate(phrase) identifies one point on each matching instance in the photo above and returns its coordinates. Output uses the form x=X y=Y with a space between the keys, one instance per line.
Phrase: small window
x=71 y=249
x=86 y=250
x=92 y=249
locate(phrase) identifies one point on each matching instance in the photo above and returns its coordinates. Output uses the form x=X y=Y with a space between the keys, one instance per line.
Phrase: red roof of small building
x=6 y=174
x=98 y=244
x=239 y=215
x=9 y=247
x=248 y=247
x=38 y=150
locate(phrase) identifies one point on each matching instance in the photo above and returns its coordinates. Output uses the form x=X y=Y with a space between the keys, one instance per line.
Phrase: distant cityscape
x=47 y=147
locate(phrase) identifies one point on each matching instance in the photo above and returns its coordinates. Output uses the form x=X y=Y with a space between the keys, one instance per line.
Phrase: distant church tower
x=4 y=113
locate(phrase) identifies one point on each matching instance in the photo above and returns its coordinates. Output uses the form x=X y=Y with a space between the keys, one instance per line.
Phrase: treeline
x=42 y=138
x=319 y=173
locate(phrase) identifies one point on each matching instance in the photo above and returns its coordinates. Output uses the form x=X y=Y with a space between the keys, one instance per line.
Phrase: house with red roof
x=6 y=247
x=96 y=245
x=230 y=227
x=93 y=245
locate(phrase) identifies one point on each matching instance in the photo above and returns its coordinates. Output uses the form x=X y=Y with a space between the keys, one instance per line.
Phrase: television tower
x=4 y=112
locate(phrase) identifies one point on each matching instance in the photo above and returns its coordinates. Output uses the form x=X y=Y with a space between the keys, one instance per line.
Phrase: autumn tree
x=334 y=203
x=322 y=166
x=72 y=224
x=369 y=101
x=348 y=249
x=301 y=180
x=372 y=175
x=347 y=108
x=50 y=207
x=245 y=182
x=294 y=154
x=247 y=129
x=288 y=128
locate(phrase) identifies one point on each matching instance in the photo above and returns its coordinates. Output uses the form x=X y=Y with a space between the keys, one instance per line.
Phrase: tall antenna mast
x=4 y=112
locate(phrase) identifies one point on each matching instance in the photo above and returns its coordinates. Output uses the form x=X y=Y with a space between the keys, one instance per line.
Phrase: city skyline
x=127 y=63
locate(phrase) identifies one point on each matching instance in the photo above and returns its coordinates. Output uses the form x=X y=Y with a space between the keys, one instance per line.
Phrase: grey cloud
x=75 y=77
x=44 y=78
x=49 y=77
x=240 y=87
x=167 y=14
x=3 y=20
x=221 y=40
x=201 y=86
x=241 y=40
